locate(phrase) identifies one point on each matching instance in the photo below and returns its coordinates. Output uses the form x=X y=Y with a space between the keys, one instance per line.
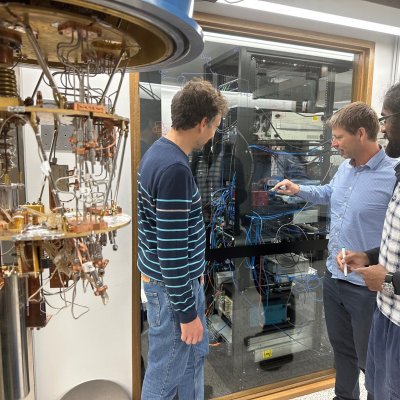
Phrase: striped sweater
x=170 y=223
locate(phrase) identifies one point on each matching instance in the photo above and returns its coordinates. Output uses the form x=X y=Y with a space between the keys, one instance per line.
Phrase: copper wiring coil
x=8 y=83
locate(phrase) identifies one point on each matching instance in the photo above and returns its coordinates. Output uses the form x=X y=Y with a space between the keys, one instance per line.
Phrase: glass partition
x=265 y=252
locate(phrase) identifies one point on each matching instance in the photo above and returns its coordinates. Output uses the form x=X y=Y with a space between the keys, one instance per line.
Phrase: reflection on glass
x=266 y=252
x=150 y=123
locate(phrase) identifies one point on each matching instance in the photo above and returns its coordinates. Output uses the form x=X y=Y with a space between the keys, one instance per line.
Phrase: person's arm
x=373 y=276
x=355 y=260
x=173 y=206
x=373 y=256
x=174 y=199
x=396 y=282
x=310 y=193
x=366 y=265
x=287 y=187
x=352 y=259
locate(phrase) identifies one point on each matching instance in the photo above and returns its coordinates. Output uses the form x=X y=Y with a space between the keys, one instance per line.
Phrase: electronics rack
x=257 y=303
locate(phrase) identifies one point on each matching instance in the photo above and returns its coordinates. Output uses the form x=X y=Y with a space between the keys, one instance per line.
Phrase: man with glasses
x=383 y=118
x=358 y=195
x=380 y=268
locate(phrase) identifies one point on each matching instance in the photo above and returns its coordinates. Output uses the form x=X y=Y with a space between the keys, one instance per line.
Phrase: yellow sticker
x=267 y=354
x=315 y=118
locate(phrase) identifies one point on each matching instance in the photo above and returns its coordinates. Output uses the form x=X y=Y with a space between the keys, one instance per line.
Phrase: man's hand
x=192 y=332
x=374 y=276
x=353 y=260
x=286 y=187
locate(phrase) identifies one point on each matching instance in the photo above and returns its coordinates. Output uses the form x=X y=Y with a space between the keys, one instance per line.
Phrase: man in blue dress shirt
x=358 y=196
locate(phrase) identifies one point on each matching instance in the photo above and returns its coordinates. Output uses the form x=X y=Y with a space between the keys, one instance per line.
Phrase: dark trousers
x=348 y=313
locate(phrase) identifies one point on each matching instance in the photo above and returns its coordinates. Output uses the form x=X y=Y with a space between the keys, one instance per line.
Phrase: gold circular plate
x=39 y=233
x=145 y=44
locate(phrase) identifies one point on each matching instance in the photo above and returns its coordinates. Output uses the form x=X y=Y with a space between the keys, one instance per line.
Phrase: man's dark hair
x=354 y=116
x=391 y=100
x=196 y=100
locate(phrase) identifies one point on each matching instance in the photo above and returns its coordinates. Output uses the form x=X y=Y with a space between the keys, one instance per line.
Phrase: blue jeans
x=172 y=364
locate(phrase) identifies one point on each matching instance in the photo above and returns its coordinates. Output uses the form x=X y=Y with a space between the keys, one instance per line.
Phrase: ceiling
x=388 y=3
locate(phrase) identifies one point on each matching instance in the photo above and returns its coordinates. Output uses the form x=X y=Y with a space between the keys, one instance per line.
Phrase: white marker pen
x=345 y=264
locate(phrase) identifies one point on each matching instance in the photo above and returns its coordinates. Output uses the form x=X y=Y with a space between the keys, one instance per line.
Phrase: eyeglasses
x=382 y=120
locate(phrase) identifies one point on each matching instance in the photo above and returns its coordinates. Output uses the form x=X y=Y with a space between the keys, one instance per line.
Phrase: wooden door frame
x=136 y=287
x=363 y=69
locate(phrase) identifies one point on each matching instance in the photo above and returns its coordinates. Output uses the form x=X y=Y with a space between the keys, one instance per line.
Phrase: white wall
x=97 y=345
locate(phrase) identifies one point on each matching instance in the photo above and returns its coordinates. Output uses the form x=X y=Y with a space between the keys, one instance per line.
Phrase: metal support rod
x=51 y=153
x=118 y=90
x=37 y=85
x=122 y=159
x=42 y=62
x=111 y=77
x=45 y=164
x=113 y=169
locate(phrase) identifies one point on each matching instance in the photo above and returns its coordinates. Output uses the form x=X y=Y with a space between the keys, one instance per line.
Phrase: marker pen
x=345 y=264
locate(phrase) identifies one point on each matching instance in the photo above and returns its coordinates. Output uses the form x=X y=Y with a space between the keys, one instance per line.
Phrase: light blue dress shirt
x=358 y=198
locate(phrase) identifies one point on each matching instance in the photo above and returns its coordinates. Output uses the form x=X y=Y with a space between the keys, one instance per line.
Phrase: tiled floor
x=330 y=393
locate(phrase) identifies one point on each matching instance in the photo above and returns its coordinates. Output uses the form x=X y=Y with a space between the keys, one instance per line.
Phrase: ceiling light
x=277 y=46
x=267 y=6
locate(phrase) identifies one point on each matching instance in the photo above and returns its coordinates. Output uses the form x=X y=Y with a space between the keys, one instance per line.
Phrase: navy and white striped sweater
x=170 y=223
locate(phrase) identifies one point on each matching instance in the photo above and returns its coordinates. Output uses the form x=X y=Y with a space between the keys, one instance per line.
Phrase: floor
x=330 y=393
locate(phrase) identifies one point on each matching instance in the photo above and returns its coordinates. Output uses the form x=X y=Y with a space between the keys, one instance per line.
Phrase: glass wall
x=266 y=252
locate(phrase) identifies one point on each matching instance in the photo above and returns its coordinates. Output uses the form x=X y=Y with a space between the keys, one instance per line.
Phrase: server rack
x=266 y=252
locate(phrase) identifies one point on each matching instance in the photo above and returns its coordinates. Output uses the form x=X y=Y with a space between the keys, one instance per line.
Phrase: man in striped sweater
x=172 y=244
